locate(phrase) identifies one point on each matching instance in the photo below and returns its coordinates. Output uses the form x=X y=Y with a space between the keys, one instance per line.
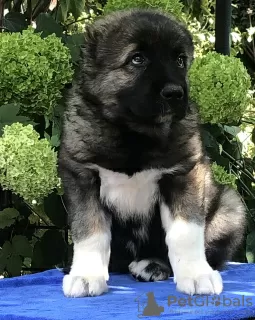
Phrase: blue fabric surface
x=39 y=296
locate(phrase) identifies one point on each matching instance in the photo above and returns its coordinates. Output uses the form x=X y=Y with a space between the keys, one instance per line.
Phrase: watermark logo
x=148 y=306
x=210 y=301
x=151 y=308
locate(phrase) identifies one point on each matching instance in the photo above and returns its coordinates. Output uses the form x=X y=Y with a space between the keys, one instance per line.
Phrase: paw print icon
x=216 y=301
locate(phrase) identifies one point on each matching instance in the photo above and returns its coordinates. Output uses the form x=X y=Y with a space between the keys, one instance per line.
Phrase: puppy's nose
x=172 y=91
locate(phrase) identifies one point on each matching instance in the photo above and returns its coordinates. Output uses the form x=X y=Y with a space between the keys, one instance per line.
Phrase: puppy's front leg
x=184 y=223
x=90 y=228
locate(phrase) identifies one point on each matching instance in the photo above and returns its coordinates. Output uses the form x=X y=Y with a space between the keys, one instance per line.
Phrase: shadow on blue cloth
x=39 y=296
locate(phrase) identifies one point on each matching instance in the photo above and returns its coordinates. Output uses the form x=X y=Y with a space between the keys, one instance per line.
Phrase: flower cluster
x=28 y=165
x=223 y=177
x=173 y=7
x=220 y=86
x=33 y=71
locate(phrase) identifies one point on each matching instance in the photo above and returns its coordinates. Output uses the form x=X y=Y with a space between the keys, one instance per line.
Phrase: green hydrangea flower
x=223 y=177
x=28 y=166
x=33 y=71
x=219 y=85
x=173 y=6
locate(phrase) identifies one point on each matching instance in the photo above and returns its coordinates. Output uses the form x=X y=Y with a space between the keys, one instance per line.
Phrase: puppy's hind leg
x=150 y=261
x=150 y=270
x=90 y=229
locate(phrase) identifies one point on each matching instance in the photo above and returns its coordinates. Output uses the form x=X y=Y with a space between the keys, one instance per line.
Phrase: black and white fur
x=138 y=185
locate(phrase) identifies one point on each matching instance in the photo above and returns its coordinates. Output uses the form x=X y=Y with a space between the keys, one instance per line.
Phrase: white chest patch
x=130 y=195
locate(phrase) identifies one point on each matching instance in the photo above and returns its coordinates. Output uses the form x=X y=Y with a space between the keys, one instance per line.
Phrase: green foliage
x=15 y=22
x=49 y=250
x=9 y=115
x=219 y=85
x=21 y=246
x=74 y=43
x=8 y=217
x=75 y=6
x=28 y=166
x=223 y=177
x=168 y=6
x=33 y=71
x=5 y=253
x=48 y=26
x=13 y=253
x=200 y=19
x=13 y=265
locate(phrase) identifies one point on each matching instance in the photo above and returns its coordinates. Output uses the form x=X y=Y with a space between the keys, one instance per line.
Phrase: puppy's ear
x=89 y=47
x=91 y=34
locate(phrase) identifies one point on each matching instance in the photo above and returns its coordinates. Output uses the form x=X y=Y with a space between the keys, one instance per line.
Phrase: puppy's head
x=135 y=63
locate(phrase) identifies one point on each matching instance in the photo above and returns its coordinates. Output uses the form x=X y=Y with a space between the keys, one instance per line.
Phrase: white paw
x=77 y=286
x=138 y=268
x=149 y=270
x=198 y=279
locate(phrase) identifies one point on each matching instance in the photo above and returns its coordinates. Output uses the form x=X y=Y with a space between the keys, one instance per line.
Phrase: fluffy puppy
x=138 y=185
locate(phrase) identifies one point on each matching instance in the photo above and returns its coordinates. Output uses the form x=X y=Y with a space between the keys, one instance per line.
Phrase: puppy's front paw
x=198 y=279
x=77 y=286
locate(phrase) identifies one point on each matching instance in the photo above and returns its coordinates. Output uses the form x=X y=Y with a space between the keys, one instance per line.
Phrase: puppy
x=138 y=184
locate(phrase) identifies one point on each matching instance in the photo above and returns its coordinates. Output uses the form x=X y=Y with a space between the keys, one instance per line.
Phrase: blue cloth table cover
x=40 y=297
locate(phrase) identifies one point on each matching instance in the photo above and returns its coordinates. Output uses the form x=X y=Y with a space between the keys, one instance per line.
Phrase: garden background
x=39 y=51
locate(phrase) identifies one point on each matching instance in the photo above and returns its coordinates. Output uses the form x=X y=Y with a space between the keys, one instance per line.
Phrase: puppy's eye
x=180 y=61
x=138 y=59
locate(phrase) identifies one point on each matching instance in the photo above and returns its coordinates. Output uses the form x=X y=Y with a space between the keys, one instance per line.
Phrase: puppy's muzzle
x=174 y=95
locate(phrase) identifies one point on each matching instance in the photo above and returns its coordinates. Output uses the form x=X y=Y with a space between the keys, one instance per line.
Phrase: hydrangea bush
x=219 y=85
x=222 y=176
x=168 y=6
x=28 y=166
x=37 y=70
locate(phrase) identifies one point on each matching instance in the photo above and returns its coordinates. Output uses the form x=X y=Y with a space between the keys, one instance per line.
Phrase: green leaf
x=55 y=139
x=37 y=259
x=7 y=217
x=5 y=253
x=14 y=264
x=56 y=128
x=9 y=115
x=74 y=43
x=232 y=130
x=22 y=246
x=220 y=148
x=47 y=122
x=47 y=25
x=63 y=9
x=50 y=250
x=27 y=262
x=59 y=110
x=77 y=7
x=250 y=247
x=33 y=219
x=6 y=250
x=47 y=136
x=34 y=3
x=209 y=140
x=55 y=142
x=15 y=22
x=55 y=210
